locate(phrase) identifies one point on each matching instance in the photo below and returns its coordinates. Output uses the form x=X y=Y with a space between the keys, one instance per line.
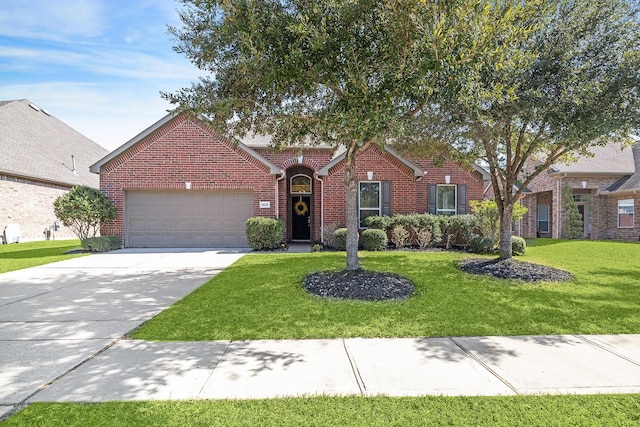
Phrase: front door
x=300 y=217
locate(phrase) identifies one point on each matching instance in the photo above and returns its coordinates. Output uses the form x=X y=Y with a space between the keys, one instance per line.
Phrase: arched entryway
x=300 y=186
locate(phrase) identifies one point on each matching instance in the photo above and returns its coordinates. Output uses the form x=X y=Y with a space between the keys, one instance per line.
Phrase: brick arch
x=293 y=161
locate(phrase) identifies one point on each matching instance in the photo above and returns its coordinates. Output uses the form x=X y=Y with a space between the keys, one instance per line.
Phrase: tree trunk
x=351 y=205
x=506 y=216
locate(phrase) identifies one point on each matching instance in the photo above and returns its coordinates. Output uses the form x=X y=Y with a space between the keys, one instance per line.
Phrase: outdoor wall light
x=370 y=175
x=447 y=179
x=187 y=185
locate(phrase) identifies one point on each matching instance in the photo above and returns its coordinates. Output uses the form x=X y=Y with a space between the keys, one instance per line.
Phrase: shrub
x=457 y=229
x=102 y=243
x=374 y=239
x=340 y=239
x=400 y=236
x=415 y=222
x=328 y=234
x=481 y=244
x=423 y=237
x=518 y=245
x=316 y=248
x=84 y=209
x=264 y=233
x=378 y=222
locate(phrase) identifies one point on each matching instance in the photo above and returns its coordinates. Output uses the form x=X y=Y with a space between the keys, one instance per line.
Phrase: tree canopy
x=572 y=84
x=345 y=73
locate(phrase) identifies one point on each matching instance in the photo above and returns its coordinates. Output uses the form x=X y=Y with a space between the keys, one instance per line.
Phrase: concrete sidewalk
x=469 y=366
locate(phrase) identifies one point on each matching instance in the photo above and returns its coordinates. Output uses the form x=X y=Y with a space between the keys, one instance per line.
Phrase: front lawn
x=17 y=256
x=261 y=297
x=601 y=410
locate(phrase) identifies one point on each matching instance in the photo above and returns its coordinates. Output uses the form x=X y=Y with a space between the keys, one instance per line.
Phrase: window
x=368 y=200
x=446 y=204
x=625 y=213
x=543 y=218
x=300 y=184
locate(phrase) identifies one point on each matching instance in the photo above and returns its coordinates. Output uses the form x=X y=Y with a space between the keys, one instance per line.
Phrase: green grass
x=601 y=410
x=17 y=256
x=262 y=297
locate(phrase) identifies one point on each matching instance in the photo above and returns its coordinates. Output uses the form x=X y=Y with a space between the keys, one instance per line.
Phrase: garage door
x=187 y=219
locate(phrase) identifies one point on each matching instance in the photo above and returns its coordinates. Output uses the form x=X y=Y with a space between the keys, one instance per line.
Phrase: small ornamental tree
x=489 y=216
x=84 y=209
x=573 y=222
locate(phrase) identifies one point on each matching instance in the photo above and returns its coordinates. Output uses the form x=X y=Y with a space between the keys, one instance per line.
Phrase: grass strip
x=561 y=410
x=17 y=256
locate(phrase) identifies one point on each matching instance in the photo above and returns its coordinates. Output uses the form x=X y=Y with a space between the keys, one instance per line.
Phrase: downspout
x=315 y=175
x=283 y=174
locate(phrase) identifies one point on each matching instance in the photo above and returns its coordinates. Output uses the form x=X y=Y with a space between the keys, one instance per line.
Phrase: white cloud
x=52 y=19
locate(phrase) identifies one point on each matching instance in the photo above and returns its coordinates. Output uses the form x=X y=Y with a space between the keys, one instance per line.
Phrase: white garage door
x=187 y=219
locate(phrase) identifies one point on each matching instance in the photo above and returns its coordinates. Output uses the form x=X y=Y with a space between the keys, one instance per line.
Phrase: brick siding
x=601 y=209
x=184 y=150
x=29 y=204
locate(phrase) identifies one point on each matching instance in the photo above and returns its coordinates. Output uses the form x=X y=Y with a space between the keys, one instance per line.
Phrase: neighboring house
x=605 y=186
x=178 y=184
x=41 y=159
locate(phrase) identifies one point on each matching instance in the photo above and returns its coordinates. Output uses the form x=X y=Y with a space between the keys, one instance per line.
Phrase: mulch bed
x=359 y=285
x=376 y=286
x=513 y=269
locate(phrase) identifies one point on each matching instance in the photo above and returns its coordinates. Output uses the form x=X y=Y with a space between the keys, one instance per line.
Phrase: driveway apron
x=55 y=317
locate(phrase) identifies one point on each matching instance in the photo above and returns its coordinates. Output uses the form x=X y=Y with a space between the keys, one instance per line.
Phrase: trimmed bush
x=378 y=222
x=423 y=237
x=481 y=244
x=102 y=243
x=340 y=239
x=374 y=239
x=264 y=233
x=415 y=222
x=327 y=234
x=518 y=245
x=400 y=236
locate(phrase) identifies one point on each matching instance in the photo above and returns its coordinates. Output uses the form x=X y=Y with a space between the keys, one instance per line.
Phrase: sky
x=96 y=65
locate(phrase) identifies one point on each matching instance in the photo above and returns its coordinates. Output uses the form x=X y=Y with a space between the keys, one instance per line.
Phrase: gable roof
x=628 y=182
x=36 y=145
x=609 y=159
x=417 y=172
x=95 y=168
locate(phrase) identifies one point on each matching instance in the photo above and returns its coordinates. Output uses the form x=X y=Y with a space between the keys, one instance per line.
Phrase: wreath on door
x=301 y=208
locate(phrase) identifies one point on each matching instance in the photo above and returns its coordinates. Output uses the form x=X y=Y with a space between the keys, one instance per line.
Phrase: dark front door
x=300 y=218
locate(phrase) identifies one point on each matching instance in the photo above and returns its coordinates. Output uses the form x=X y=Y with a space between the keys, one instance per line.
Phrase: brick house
x=605 y=187
x=179 y=184
x=42 y=158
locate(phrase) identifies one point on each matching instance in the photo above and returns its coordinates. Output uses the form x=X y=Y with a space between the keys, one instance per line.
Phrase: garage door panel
x=187 y=218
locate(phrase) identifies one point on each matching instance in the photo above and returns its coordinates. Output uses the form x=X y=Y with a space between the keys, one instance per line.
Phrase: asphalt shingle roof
x=37 y=145
x=611 y=158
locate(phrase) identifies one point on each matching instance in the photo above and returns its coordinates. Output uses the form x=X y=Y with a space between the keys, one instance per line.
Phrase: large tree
x=346 y=73
x=575 y=85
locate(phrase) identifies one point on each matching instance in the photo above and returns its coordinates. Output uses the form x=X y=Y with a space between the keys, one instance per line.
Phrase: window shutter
x=462 y=199
x=432 y=198
x=386 y=198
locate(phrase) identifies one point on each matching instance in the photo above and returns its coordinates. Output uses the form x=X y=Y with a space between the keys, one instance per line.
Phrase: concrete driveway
x=56 y=316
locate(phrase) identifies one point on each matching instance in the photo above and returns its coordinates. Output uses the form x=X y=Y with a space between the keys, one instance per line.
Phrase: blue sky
x=97 y=65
